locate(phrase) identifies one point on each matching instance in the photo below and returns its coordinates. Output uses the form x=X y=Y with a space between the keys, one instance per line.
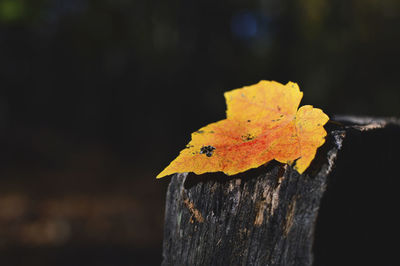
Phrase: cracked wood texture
x=265 y=216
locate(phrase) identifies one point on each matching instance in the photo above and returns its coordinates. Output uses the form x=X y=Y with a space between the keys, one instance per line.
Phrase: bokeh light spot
x=244 y=25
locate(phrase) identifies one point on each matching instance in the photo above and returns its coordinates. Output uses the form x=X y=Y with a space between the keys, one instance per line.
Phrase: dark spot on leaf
x=282 y=116
x=200 y=131
x=247 y=137
x=211 y=132
x=207 y=150
x=279 y=108
x=248 y=120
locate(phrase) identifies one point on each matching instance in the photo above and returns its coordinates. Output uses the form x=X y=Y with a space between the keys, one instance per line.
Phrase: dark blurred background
x=98 y=96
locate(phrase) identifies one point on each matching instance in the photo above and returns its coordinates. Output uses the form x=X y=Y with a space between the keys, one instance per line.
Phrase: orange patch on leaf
x=263 y=123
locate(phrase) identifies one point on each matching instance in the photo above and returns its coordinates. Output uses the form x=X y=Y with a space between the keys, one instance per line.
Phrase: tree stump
x=264 y=216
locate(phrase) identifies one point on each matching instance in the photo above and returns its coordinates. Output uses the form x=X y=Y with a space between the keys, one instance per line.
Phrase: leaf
x=263 y=123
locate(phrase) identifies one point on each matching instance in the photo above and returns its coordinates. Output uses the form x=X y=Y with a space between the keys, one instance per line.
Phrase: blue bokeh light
x=244 y=25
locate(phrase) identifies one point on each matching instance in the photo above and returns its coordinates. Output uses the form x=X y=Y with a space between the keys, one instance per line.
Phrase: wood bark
x=264 y=216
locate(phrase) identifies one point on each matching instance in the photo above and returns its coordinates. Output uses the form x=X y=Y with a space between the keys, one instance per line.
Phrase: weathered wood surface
x=264 y=216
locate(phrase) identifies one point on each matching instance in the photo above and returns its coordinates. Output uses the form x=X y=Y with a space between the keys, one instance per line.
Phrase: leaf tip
x=160 y=175
x=164 y=173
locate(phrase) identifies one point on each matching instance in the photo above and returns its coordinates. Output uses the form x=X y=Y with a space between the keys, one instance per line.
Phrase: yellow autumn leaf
x=263 y=123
